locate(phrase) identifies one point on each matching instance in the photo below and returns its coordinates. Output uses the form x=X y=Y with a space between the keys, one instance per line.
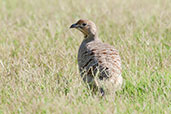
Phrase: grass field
x=38 y=56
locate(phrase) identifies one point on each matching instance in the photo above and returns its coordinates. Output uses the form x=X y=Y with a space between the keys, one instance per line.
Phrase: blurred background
x=38 y=55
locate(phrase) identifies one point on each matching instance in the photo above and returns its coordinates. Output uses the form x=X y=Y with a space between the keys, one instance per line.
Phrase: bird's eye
x=84 y=24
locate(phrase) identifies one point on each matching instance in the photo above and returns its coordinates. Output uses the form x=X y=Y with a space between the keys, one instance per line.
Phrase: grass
x=38 y=56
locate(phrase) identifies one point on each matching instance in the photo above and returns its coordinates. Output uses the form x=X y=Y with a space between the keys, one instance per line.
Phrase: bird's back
x=95 y=57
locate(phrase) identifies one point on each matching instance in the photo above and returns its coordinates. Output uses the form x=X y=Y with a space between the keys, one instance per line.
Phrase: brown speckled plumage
x=99 y=63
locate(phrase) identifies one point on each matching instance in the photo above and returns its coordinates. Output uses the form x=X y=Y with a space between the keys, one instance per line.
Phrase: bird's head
x=88 y=28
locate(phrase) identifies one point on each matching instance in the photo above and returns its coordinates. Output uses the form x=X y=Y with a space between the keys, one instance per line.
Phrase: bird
x=99 y=63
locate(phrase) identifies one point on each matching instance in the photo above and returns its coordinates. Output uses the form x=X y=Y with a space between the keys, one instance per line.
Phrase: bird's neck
x=91 y=37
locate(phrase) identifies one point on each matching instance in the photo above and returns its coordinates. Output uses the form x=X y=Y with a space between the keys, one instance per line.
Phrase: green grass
x=38 y=55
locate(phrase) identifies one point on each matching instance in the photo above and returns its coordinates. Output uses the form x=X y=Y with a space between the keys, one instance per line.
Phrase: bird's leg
x=102 y=92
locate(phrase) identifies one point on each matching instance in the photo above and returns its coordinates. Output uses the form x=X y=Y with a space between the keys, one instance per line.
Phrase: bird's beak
x=73 y=26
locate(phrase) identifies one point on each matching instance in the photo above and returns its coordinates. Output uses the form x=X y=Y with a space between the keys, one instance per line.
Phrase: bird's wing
x=107 y=57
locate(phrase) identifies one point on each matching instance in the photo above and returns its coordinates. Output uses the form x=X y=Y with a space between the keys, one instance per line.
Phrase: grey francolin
x=99 y=63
